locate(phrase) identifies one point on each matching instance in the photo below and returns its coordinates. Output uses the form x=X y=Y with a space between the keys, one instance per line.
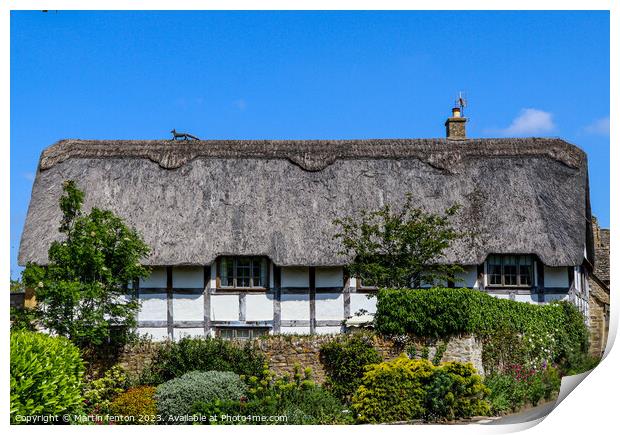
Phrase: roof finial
x=184 y=136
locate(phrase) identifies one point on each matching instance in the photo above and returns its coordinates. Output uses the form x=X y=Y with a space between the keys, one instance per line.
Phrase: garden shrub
x=174 y=359
x=136 y=403
x=393 y=391
x=554 y=332
x=405 y=389
x=519 y=386
x=176 y=397
x=23 y=319
x=99 y=393
x=345 y=359
x=456 y=391
x=46 y=375
x=298 y=399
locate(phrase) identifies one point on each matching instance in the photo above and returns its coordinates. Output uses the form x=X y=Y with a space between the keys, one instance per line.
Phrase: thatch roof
x=193 y=201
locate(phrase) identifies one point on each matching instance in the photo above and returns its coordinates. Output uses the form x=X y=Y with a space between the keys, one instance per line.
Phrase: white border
x=590 y=409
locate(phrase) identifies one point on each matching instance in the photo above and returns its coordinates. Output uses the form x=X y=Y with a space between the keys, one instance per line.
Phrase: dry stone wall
x=284 y=352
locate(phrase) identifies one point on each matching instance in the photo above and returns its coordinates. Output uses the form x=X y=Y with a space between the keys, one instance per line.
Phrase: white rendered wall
x=295 y=306
x=295 y=277
x=329 y=277
x=188 y=277
x=188 y=332
x=556 y=277
x=468 y=277
x=258 y=307
x=153 y=306
x=361 y=301
x=224 y=307
x=500 y=295
x=187 y=307
x=213 y=282
x=157 y=279
x=157 y=334
x=531 y=298
x=302 y=330
x=556 y=297
x=328 y=329
x=329 y=306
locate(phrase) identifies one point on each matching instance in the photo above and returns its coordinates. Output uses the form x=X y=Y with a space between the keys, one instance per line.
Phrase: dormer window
x=510 y=270
x=243 y=272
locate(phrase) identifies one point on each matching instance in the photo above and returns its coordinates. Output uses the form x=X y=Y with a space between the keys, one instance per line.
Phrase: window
x=243 y=272
x=510 y=270
x=240 y=333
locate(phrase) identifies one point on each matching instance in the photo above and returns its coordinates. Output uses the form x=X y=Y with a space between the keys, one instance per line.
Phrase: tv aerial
x=461 y=102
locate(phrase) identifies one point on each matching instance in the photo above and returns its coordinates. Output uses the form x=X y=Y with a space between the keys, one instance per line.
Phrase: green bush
x=174 y=359
x=99 y=393
x=23 y=319
x=137 y=405
x=298 y=400
x=404 y=389
x=455 y=391
x=393 y=391
x=345 y=359
x=176 y=397
x=46 y=375
x=554 y=332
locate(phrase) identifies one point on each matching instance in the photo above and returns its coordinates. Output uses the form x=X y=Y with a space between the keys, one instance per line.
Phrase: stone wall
x=283 y=352
x=599 y=291
x=599 y=317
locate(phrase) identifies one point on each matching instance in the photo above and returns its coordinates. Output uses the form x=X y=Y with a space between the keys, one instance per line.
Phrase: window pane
x=256 y=281
x=495 y=274
x=510 y=270
x=226 y=333
x=243 y=272
x=243 y=334
x=525 y=274
x=226 y=272
x=263 y=272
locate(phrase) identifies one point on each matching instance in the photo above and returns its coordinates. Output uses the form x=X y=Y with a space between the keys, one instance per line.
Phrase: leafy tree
x=16 y=286
x=82 y=293
x=399 y=248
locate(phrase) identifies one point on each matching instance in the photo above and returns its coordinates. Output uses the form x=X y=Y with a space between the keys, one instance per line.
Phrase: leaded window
x=230 y=333
x=243 y=272
x=510 y=270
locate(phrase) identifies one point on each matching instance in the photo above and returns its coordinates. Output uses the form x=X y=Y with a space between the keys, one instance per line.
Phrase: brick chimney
x=455 y=125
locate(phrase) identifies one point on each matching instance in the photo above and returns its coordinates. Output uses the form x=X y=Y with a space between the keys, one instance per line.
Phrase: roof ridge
x=315 y=154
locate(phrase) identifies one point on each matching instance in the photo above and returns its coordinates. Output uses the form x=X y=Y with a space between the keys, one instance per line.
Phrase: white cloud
x=600 y=126
x=530 y=122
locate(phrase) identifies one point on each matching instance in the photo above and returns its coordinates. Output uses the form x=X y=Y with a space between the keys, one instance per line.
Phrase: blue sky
x=325 y=75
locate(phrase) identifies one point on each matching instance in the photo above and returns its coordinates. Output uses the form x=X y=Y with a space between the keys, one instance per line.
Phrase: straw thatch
x=196 y=200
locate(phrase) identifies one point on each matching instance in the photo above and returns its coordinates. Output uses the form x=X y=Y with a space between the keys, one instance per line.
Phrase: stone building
x=241 y=232
x=599 y=291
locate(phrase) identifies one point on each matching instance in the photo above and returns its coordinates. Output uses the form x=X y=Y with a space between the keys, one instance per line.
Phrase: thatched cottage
x=242 y=231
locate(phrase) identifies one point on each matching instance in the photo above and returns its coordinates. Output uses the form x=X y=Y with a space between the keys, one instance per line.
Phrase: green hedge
x=345 y=360
x=554 y=332
x=46 y=375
